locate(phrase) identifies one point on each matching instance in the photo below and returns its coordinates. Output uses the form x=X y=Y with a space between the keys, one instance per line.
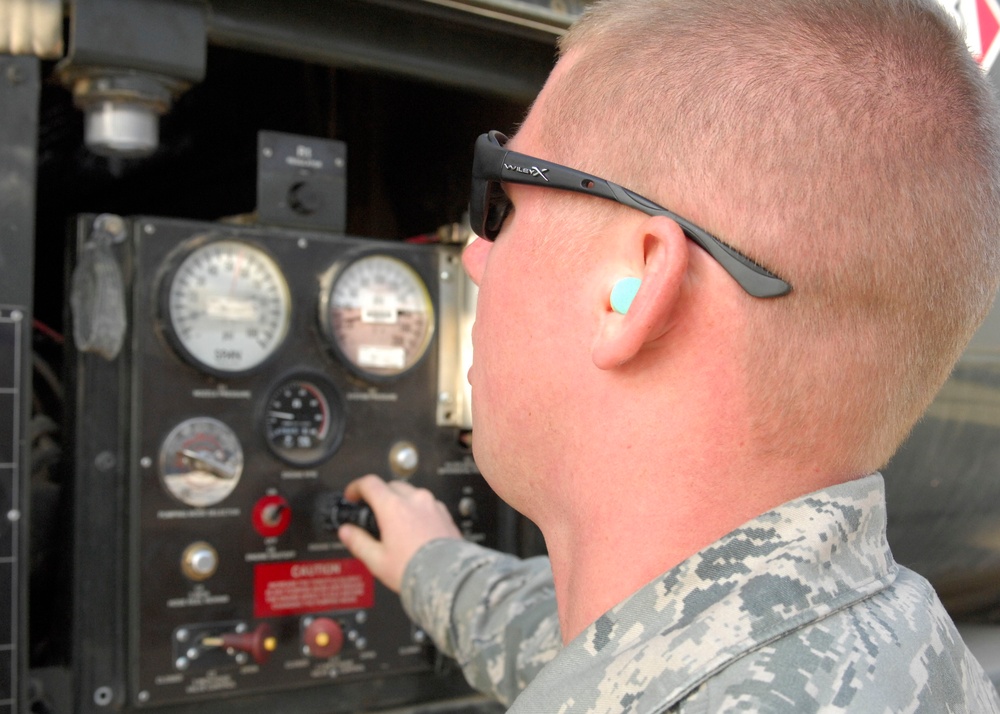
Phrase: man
x=702 y=460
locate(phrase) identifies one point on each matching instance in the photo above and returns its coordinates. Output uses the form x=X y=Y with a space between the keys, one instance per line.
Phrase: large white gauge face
x=379 y=315
x=228 y=306
x=201 y=461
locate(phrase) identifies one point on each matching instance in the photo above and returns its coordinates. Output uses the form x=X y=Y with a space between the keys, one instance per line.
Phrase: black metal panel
x=100 y=464
x=133 y=599
x=19 y=93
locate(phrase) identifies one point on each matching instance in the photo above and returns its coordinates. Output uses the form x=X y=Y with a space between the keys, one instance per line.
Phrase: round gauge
x=228 y=307
x=379 y=315
x=304 y=421
x=201 y=461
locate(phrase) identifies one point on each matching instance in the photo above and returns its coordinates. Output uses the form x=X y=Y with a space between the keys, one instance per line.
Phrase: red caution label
x=302 y=587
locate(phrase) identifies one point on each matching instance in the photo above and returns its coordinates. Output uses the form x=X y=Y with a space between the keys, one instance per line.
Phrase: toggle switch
x=259 y=643
x=271 y=516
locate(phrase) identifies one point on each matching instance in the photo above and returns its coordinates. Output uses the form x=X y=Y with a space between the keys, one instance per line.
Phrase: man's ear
x=658 y=251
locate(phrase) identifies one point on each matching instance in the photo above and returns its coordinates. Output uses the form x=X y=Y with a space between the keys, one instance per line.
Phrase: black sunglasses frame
x=489 y=206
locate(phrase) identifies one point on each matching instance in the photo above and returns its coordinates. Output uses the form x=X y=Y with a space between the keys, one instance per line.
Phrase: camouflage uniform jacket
x=800 y=610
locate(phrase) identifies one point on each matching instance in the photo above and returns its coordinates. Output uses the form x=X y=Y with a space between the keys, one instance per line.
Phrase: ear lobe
x=663 y=250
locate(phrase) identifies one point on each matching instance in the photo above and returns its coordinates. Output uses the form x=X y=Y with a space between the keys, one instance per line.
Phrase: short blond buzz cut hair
x=850 y=146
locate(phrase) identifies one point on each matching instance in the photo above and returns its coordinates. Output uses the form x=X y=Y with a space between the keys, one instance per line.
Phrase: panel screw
x=103 y=696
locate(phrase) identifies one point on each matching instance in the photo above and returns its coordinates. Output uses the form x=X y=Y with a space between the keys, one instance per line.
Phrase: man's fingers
x=401 y=487
x=361 y=544
x=408 y=518
x=367 y=488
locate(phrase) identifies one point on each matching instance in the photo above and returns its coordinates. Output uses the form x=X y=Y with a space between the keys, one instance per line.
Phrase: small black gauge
x=304 y=420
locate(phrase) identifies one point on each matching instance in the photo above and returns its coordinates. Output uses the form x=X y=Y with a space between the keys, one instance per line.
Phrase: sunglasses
x=490 y=205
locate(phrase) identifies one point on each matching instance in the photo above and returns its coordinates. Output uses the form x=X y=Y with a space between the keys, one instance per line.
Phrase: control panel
x=262 y=369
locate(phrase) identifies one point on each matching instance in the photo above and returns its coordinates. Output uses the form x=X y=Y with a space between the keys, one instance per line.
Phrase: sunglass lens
x=497 y=208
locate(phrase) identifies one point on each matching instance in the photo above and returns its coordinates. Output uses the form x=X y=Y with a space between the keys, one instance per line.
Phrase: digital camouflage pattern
x=802 y=609
x=505 y=627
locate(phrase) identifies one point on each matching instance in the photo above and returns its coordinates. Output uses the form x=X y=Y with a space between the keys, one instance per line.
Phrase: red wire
x=48 y=331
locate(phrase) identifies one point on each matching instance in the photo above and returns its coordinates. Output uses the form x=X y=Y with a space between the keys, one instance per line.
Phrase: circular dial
x=304 y=421
x=379 y=315
x=201 y=461
x=228 y=307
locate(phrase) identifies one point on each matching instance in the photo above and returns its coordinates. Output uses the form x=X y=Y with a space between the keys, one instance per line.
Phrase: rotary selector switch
x=333 y=510
x=259 y=643
x=271 y=515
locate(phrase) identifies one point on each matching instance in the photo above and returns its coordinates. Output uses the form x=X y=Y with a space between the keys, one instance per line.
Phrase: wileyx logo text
x=532 y=171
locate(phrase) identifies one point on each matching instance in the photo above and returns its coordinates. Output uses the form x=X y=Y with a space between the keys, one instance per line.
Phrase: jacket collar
x=793 y=565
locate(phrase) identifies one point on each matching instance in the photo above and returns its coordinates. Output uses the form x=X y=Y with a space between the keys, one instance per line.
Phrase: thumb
x=365 y=548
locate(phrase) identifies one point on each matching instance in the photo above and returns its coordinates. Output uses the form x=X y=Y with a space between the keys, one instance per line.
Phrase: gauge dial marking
x=379 y=315
x=303 y=420
x=228 y=306
x=201 y=461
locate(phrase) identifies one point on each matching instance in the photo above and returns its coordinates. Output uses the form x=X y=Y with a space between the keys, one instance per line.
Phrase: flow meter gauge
x=227 y=307
x=378 y=315
x=201 y=461
x=304 y=420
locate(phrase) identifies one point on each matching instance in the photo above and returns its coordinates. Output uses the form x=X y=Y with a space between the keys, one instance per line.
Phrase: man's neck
x=624 y=543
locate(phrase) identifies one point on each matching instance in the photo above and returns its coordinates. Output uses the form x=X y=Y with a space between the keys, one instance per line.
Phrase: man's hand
x=407 y=518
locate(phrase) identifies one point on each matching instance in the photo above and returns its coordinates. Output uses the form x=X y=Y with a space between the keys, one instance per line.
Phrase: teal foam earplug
x=623 y=293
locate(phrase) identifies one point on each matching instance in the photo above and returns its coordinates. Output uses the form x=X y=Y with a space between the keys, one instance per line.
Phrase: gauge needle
x=200 y=460
x=236 y=272
x=281 y=415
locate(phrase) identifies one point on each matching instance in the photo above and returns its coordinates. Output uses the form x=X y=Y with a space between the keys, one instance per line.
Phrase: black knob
x=334 y=510
x=304 y=198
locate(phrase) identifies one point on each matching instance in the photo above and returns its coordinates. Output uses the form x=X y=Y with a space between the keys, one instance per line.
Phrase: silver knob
x=200 y=561
x=404 y=458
